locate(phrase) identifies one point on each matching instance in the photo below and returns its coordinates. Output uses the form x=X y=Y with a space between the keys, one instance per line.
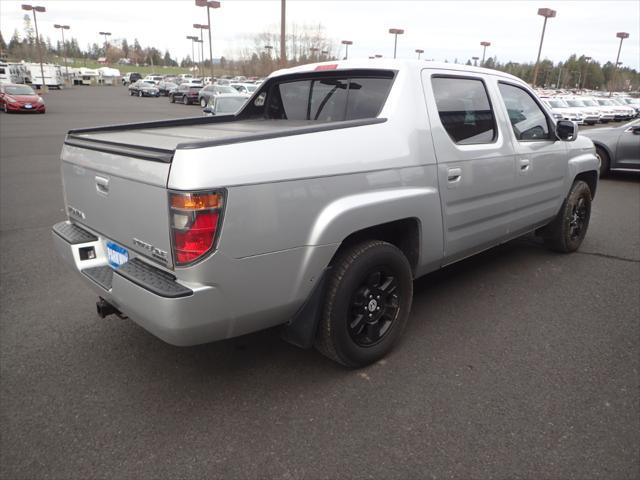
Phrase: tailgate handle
x=102 y=185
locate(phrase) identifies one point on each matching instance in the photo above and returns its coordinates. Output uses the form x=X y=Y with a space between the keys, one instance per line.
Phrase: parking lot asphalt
x=517 y=363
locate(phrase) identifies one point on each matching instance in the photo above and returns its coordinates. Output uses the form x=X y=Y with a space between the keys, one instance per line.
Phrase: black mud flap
x=301 y=330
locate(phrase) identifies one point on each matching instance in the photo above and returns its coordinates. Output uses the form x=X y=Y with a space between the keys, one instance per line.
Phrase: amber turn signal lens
x=196 y=201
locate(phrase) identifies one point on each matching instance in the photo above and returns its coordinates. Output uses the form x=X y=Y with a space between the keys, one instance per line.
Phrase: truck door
x=476 y=163
x=541 y=159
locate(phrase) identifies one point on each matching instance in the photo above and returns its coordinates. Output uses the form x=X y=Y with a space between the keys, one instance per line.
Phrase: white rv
x=52 y=75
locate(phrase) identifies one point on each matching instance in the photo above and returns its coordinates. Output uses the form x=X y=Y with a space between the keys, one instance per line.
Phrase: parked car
x=617 y=148
x=156 y=79
x=245 y=88
x=130 y=78
x=224 y=104
x=164 y=87
x=620 y=113
x=590 y=115
x=20 y=98
x=626 y=110
x=186 y=93
x=316 y=205
x=607 y=114
x=562 y=110
x=633 y=103
x=211 y=90
x=144 y=88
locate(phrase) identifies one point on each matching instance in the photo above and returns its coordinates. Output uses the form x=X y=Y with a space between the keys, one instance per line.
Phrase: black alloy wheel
x=374 y=307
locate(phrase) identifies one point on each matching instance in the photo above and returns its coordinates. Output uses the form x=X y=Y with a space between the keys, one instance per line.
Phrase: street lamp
x=106 y=44
x=586 y=71
x=475 y=61
x=202 y=27
x=621 y=36
x=546 y=13
x=64 y=47
x=484 y=50
x=192 y=38
x=200 y=60
x=35 y=21
x=268 y=48
x=419 y=51
x=395 y=32
x=347 y=43
x=209 y=4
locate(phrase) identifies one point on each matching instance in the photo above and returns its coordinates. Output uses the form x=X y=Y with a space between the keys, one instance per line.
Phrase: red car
x=20 y=98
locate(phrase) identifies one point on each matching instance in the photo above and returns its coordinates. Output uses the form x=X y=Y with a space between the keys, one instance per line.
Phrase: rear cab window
x=464 y=109
x=323 y=96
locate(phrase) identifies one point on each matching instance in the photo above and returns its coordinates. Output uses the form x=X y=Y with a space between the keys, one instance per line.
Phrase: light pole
x=484 y=50
x=35 y=21
x=200 y=62
x=202 y=27
x=475 y=61
x=192 y=38
x=419 y=51
x=64 y=47
x=546 y=13
x=346 y=43
x=586 y=71
x=209 y=4
x=621 y=36
x=314 y=51
x=324 y=54
x=283 y=37
x=106 y=46
x=395 y=32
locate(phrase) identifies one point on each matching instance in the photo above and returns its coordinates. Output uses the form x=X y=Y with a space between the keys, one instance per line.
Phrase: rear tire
x=366 y=305
x=605 y=162
x=567 y=231
x=172 y=99
x=140 y=93
x=185 y=100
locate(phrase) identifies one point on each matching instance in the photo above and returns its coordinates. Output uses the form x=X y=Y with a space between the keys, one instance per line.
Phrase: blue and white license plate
x=116 y=255
x=28 y=105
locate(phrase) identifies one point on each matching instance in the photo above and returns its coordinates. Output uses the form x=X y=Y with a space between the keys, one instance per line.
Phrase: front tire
x=605 y=162
x=567 y=231
x=140 y=93
x=185 y=100
x=203 y=102
x=366 y=305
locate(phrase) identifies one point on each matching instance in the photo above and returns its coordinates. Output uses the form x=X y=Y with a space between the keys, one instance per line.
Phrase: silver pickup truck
x=317 y=204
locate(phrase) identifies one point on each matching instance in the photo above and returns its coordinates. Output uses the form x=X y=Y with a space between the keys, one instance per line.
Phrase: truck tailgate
x=123 y=198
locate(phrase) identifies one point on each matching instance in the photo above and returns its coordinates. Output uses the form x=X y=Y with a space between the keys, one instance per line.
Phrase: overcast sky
x=445 y=30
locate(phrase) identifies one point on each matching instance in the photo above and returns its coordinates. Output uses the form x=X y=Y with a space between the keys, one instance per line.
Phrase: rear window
x=328 y=99
x=464 y=109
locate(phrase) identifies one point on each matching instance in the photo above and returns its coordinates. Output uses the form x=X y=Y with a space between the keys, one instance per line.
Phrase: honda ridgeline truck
x=318 y=203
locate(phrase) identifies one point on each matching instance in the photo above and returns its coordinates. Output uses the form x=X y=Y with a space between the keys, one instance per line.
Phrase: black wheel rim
x=374 y=307
x=578 y=218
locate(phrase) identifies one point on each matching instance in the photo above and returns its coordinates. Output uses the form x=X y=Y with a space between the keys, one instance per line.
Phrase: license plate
x=28 y=105
x=116 y=254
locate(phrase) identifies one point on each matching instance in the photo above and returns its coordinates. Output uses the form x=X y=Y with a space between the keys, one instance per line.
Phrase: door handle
x=102 y=185
x=454 y=175
x=524 y=165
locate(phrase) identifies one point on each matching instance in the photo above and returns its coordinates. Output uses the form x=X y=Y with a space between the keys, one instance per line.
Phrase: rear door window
x=464 y=109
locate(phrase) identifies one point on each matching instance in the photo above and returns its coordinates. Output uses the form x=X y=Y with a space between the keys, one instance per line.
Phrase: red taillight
x=195 y=219
x=331 y=66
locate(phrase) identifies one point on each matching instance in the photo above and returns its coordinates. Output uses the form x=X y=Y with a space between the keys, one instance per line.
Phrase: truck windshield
x=324 y=98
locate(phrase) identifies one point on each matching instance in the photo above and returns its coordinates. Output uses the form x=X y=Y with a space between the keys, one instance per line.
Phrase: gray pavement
x=518 y=363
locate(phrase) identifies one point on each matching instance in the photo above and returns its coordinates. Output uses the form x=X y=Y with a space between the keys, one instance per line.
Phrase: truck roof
x=390 y=64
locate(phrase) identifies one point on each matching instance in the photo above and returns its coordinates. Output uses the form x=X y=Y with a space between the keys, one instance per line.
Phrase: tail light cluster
x=195 y=221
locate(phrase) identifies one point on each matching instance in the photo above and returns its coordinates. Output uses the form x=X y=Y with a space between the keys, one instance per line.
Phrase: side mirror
x=635 y=129
x=566 y=130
